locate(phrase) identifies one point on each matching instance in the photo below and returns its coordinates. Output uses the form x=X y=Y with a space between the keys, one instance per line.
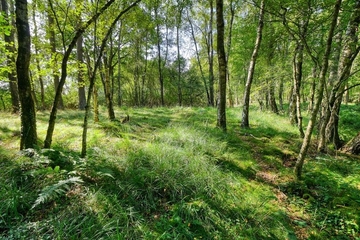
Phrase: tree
x=92 y=80
x=220 y=25
x=325 y=63
x=80 y=59
x=28 y=110
x=250 y=75
x=54 y=55
x=328 y=128
x=78 y=33
x=10 y=48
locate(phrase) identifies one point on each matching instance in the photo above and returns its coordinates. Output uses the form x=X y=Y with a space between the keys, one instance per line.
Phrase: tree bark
x=353 y=146
x=210 y=47
x=228 y=50
x=81 y=81
x=158 y=44
x=325 y=64
x=28 y=109
x=251 y=70
x=221 y=114
x=297 y=78
x=10 y=48
x=179 y=84
x=80 y=60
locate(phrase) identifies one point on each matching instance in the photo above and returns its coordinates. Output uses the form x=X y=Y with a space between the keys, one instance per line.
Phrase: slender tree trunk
x=81 y=81
x=38 y=67
x=80 y=60
x=198 y=60
x=228 y=50
x=119 y=94
x=54 y=56
x=93 y=76
x=271 y=96
x=143 y=77
x=297 y=78
x=325 y=63
x=312 y=90
x=79 y=32
x=10 y=48
x=251 y=70
x=179 y=84
x=281 y=93
x=221 y=114
x=28 y=109
x=105 y=77
x=158 y=44
x=96 y=103
x=211 y=56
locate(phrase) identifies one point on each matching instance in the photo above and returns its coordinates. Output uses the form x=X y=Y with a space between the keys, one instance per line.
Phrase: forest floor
x=169 y=173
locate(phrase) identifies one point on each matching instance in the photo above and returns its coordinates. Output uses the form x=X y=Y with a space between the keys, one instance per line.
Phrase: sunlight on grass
x=169 y=173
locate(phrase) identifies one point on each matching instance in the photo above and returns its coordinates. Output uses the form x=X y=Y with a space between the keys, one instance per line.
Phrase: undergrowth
x=170 y=174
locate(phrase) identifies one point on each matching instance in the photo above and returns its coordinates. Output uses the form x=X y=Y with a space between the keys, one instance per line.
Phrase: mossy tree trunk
x=28 y=109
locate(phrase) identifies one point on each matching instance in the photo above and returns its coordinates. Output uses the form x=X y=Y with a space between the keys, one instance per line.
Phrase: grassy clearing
x=170 y=174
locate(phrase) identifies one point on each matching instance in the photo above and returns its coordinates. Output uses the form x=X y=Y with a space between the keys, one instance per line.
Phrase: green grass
x=169 y=173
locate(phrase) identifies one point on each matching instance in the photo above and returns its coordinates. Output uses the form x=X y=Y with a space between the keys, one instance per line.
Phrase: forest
x=151 y=119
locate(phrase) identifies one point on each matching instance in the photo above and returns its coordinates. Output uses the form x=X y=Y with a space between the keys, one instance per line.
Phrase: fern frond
x=54 y=191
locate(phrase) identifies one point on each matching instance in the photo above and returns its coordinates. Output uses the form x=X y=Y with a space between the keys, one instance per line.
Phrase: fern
x=56 y=190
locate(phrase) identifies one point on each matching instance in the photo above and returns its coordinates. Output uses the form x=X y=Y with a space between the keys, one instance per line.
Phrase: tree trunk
x=54 y=57
x=251 y=70
x=28 y=111
x=96 y=104
x=349 y=53
x=93 y=77
x=79 y=32
x=80 y=59
x=179 y=85
x=271 y=96
x=81 y=82
x=281 y=93
x=119 y=94
x=297 y=78
x=210 y=47
x=198 y=60
x=353 y=146
x=105 y=77
x=312 y=90
x=158 y=44
x=10 y=48
x=325 y=64
x=221 y=114
x=38 y=67
x=228 y=50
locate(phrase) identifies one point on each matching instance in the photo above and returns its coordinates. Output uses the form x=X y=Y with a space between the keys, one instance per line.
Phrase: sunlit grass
x=169 y=173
